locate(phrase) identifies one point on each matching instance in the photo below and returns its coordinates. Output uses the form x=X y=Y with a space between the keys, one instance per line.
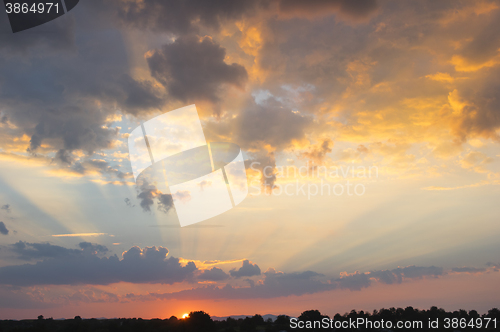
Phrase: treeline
x=199 y=321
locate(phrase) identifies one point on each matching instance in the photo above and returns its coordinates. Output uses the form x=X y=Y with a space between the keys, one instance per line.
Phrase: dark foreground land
x=199 y=321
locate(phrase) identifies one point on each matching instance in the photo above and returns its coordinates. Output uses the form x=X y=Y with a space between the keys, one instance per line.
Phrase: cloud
x=264 y=165
x=468 y=270
x=352 y=9
x=180 y=17
x=271 y=123
x=165 y=202
x=194 y=69
x=486 y=42
x=409 y=272
x=246 y=270
x=147 y=193
x=62 y=94
x=275 y=284
x=278 y=284
x=3 y=229
x=6 y=208
x=90 y=166
x=476 y=107
x=213 y=274
x=204 y=184
x=317 y=154
x=33 y=251
x=62 y=36
x=69 y=267
x=128 y=202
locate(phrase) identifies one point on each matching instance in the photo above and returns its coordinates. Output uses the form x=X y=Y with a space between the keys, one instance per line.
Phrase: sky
x=370 y=132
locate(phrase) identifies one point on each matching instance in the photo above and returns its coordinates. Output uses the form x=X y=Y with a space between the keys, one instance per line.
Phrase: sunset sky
x=399 y=100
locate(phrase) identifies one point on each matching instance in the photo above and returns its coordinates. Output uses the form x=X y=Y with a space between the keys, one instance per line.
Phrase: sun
x=185 y=316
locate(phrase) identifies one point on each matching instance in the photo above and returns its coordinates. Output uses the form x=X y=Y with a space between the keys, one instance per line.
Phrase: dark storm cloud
x=213 y=274
x=148 y=265
x=195 y=70
x=3 y=229
x=31 y=251
x=353 y=9
x=246 y=270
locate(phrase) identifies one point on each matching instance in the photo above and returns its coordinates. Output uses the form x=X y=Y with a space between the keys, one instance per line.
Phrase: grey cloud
x=57 y=35
x=65 y=98
x=100 y=166
x=194 y=70
x=31 y=251
x=180 y=17
x=63 y=156
x=408 y=272
x=494 y=266
x=148 y=193
x=148 y=265
x=265 y=164
x=355 y=281
x=485 y=43
x=93 y=248
x=6 y=208
x=354 y=9
x=128 y=202
x=75 y=127
x=165 y=202
x=3 y=229
x=468 y=269
x=270 y=123
x=213 y=274
x=275 y=284
x=481 y=115
x=246 y=270
x=139 y=94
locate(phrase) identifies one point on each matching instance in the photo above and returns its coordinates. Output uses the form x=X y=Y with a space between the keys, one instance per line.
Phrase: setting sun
x=185 y=316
